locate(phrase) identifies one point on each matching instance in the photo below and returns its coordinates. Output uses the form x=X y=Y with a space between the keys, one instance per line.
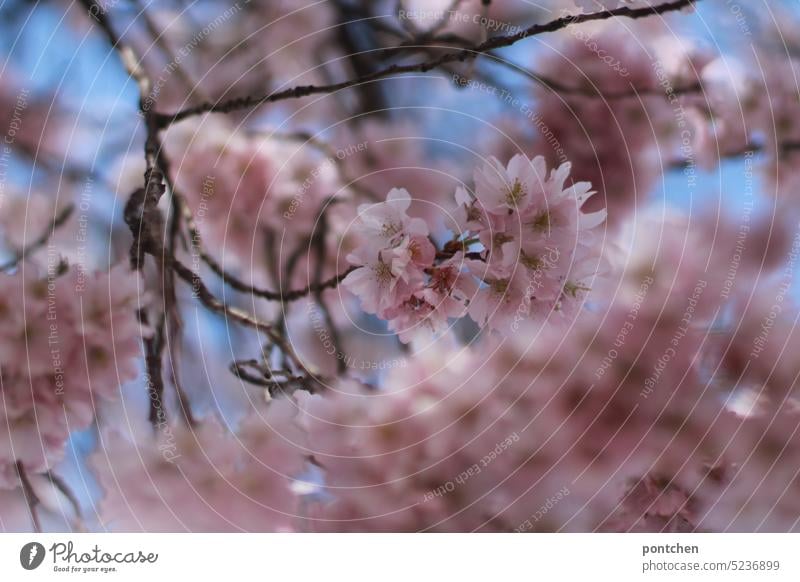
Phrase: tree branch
x=275 y=381
x=22 y=254
x=465 y=54
x=208 y=299
x=288 y=296
x=30 y=496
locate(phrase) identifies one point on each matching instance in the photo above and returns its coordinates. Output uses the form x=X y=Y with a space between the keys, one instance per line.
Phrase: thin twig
x=162 y=42
x=143 y=217
x=207 y=298
x=465 y=54
x=154 y=348
x=593 y=91
x=320 y=250
x=287 y=296
x=237 y=284
x=22 y=254
x=332 y=153
x=275 y=381
x=426 y=43
x=61 y=485
x=30 y=496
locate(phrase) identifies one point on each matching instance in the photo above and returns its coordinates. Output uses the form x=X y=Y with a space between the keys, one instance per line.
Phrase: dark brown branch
x=593 y=91
x=276 y=382
x=237 y=284
x=320 y=252
x=355 y=37
x=172 y=321
x=161 y=41
x=784 y=148
x=145 y=221
x=97 y=12
x=141 y=209
x=288 y=274
x=788 y=147
x=30 y=496
x=59 y=484
x=154 y=348
x=58 y=221
x=465 y=54
x=427 y=42
x=287 y=296
x=207 y=298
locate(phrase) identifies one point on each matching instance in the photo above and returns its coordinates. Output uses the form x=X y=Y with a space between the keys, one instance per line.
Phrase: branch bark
x=462 y=55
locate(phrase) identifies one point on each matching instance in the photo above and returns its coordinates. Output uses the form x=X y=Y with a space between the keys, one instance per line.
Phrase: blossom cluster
x=207 y=478
x=522 y=248
x=613 y=142
x=239 y=186
x=583 y=356
x=67 y=343
x=655 y=422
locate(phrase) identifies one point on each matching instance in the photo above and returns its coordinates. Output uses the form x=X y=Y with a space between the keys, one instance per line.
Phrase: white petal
x=560 y=175
x=590 y=220
x=463 y=197
x=400 y=198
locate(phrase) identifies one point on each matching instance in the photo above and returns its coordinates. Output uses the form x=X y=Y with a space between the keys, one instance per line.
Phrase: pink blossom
x=395 y=156
x=535 y=248
x=531 y=252
x=654 y=505
x=206 y=479
x=385 y=223
x=613 y=142
x=68 y=349
x=385 y=278
x=511 y=188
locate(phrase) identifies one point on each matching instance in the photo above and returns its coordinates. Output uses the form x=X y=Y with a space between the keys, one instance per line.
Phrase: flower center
x=532 y=262
x=542 y=222
x=442 y=280
x=571 y=289
x=390 y=229
x=474 y=214
x=415 y=249
x=498 y=286
x=383 y=273
x=515 y=193
x=501 y=238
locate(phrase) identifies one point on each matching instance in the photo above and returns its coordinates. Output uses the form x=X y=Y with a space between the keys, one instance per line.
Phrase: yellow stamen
x=515 y=193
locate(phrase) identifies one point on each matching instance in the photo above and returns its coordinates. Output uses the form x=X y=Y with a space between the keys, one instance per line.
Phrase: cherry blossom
x=65 y=352
x=384 y=224
x=204 y=479
x=537 y=248
x=446 y=266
